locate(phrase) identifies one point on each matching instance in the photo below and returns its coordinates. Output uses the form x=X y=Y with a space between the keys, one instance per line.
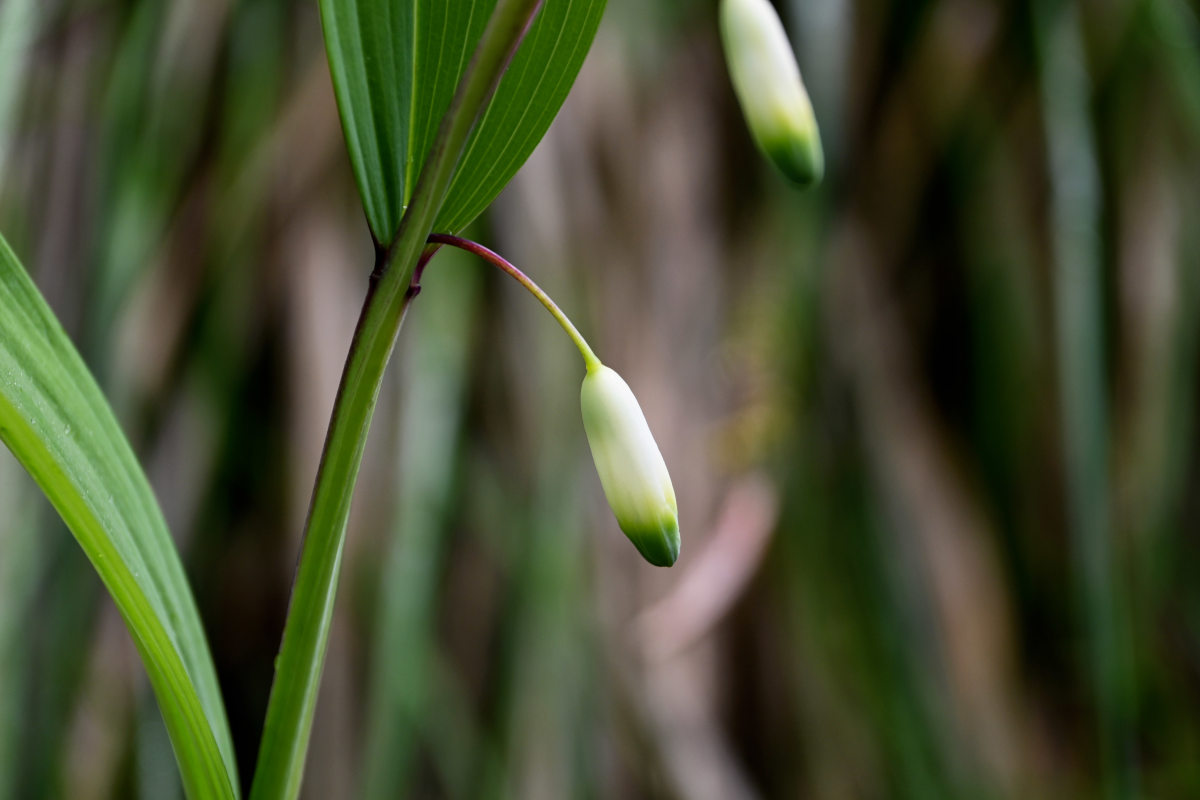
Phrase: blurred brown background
x=931 y=425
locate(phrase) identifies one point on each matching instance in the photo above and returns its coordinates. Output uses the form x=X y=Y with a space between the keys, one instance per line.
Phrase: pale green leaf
x=57 y=423
x=395 y=65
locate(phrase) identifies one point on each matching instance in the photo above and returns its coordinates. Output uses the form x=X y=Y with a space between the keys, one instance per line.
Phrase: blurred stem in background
x=1083 y=391
x=20 y=547
x=404 y=661
x=20 y=567
x=19 y=22
x=543 y=708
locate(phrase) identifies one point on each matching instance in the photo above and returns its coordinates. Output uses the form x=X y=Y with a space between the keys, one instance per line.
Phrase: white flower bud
x=631 y=468
x=768 y=85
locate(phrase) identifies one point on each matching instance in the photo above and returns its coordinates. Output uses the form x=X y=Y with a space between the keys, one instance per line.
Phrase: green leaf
x=57 y=423
x=395 y=65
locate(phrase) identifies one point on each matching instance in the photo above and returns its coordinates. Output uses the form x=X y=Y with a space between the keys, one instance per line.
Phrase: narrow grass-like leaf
x=395 y=66
x=58 y=424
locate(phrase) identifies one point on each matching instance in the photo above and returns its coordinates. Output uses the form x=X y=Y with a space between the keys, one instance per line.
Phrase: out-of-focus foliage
x=932 y=427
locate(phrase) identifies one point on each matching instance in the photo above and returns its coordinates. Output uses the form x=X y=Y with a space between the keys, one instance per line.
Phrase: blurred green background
x=932 y=426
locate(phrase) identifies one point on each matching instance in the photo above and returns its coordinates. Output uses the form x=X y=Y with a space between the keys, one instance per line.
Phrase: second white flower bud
x=768 y=86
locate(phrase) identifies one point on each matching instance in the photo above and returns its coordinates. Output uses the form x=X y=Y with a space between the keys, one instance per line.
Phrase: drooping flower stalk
x=589 y=357
x=632 y=471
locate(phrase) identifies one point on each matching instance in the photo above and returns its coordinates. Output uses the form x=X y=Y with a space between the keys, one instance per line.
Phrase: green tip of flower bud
x=767 y=82
x=660 y=545
x=631 y=468
x=799 y=158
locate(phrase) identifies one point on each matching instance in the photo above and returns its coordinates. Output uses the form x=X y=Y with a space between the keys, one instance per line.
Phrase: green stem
x=306 y=633
x=1075 y=213
x=589 y=357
